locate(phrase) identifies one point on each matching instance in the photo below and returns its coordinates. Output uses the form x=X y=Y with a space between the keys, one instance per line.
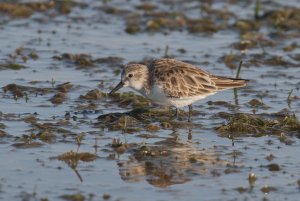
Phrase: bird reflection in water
x=168 y=162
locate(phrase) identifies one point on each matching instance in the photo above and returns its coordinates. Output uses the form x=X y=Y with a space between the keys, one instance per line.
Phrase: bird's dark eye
x=130 y=75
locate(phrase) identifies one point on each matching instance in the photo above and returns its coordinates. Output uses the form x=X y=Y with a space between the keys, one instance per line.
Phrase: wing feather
x=181 y=80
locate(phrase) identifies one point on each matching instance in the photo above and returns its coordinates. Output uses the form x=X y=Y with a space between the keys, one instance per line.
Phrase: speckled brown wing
x=223 y=83
x=181 y=80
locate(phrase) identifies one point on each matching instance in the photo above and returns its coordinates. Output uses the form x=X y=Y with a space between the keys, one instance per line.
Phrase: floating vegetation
x=80 y=60
x=231 y=60
x=130 y=98
x=27 y=145
x=85 y=61
x=64 y=87
x=290 y=47
x=27 y=141
x=2 y=133
x=133 y=24
x=73 y=197
x=247 y=25
x=287 y=18
x=140 y=119
x=202 y=26
x=20 y=91
x=12 y=66
x=26 y=9
x=257 y=103
x=119 y=121
x=273 y=167
x=153 y=127
x=16 y=9
x=93 y=95
x=111 y=61
x=147 y=6
x=257 y=125
x=58 y=98
x=72 y=157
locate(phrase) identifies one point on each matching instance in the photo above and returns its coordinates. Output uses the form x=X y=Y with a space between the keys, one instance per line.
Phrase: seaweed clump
x=257 y=125
x=26 y=9
x=129 y=98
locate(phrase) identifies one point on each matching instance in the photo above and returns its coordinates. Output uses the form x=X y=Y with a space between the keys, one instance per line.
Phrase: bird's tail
x=223 y=83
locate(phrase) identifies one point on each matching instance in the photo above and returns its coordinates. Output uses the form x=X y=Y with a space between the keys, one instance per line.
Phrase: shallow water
x=188 y=163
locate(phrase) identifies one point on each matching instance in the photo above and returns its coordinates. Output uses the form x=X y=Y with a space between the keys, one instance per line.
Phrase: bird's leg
x=176 y=113
x=175 y=116
x=190 y=112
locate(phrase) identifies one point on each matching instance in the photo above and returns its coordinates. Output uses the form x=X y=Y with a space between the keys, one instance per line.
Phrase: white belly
x=157 y=96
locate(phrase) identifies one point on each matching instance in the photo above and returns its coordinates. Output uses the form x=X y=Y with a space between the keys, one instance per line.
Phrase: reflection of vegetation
x=72 y=159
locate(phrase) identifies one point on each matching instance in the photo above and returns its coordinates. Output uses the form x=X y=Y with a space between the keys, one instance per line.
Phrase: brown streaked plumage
x=174 y=83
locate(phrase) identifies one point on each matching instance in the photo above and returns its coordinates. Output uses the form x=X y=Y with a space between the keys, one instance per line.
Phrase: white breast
x=158 y=96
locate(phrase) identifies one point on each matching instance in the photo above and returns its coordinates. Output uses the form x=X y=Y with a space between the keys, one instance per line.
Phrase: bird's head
x=134 y=76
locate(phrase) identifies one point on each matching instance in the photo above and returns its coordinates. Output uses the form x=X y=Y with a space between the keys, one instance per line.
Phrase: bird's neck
x=145 y=90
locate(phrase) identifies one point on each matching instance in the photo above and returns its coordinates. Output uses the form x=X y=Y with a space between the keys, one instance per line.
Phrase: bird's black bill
x=119 y=86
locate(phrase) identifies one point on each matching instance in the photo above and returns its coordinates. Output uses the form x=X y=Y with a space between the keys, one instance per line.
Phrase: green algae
x=74 y=157
x=58 y=98
x=27 y=9
x=147 y=6
x=16 y=10
x=64 y=87
x=20 y=90
x=130 y=98
x=12 y=66
x=287 y=18
x=93 y=95
x=202 y=26
x=249 y=124
x=80 y=60
x=247 y=25
x=73 y=197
